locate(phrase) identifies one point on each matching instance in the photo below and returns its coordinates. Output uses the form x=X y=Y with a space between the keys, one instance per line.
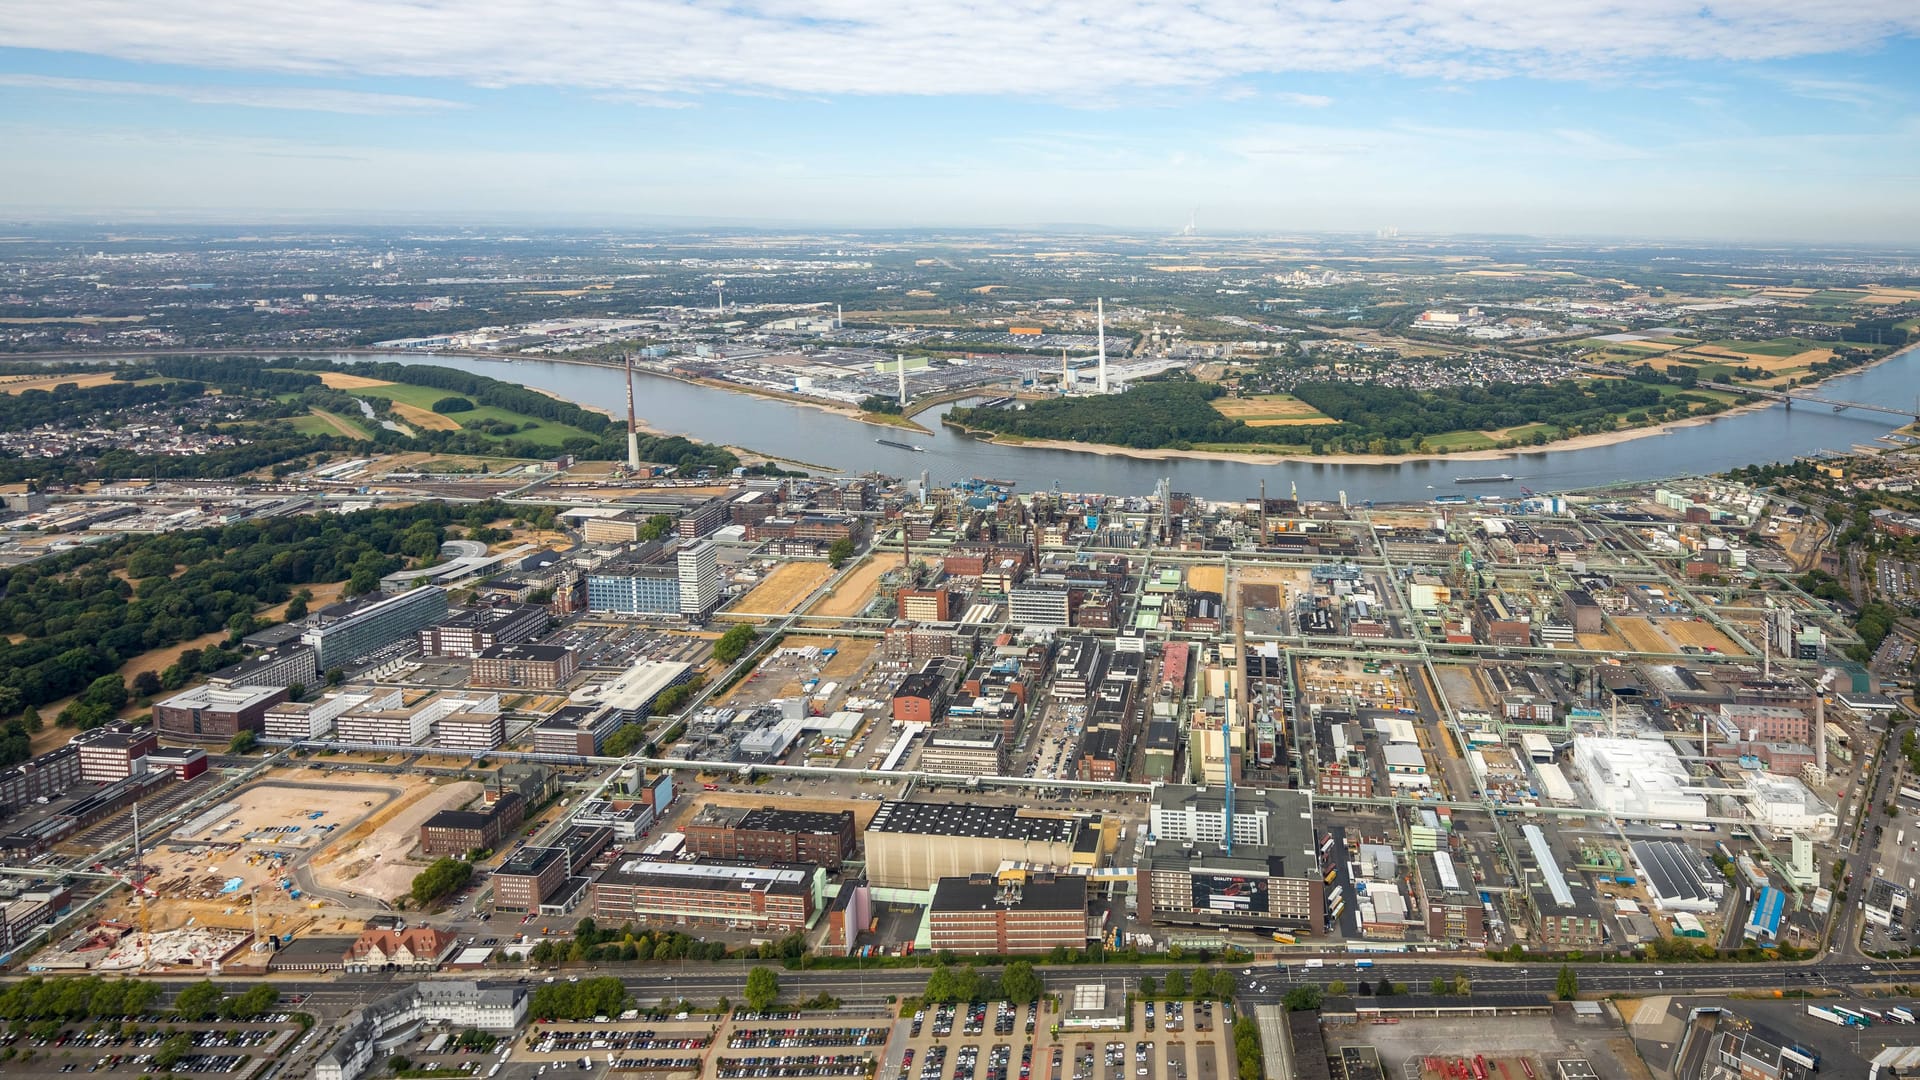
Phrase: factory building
x=1011 y=912
x=769 y=834
x=1639 y=779
x=775 y=899
x=912 y=845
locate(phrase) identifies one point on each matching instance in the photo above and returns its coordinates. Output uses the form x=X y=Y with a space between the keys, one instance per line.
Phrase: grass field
x=414 y=405
x=322 y=422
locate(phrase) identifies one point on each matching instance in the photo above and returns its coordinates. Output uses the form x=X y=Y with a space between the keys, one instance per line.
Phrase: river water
x=811 y=435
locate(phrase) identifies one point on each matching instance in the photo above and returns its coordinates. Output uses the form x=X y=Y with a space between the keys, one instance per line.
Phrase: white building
x=313 y=719
x=384 y=1025
x=1406 y=767
x=700 y=584
x=1637 y=778
x=1783 y=802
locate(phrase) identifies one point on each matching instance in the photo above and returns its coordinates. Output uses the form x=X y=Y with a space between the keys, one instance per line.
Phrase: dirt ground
x=845 y=663
x=1211 y=579
x=782 y=590
x=1603 y=642
x=371 y=859
x=1704 y=634
x=340 y=380
x=856 y=589
x=1643 y=636
x=425 y=418
x=83 y=380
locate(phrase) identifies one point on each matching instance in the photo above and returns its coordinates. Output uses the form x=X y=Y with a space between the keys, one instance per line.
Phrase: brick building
x=456 y=832
x=769 y=834
x=1017 y=913
x=525 y=667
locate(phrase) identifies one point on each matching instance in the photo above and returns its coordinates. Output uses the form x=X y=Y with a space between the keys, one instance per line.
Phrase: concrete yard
x=371 y=859
x=1405 y=1046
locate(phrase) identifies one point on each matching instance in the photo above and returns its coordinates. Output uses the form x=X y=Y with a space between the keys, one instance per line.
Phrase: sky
x=1745 y=120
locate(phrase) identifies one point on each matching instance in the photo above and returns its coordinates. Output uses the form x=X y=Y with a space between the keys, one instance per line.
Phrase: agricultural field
x=1270 y=410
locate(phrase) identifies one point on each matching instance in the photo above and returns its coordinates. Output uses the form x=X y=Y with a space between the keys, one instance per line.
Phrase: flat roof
x=712 y=874
x=971 y=819
x=1043 y=892
x=773 y=819
x=530 y=861
x=547 y=654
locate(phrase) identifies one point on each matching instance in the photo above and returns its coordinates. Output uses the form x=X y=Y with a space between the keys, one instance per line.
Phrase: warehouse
x=768 y=834
x=780 y=898
x=912 y=845
x=1012 y=912
x=1677 y=877
x=1637 y=778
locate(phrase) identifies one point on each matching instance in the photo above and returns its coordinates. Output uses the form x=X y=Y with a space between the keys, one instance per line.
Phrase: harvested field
x=371 y=859
x=340 y=380
x=856 y=590
x=425 y=418
x=782 y=590
x=19 y=384
x=1270 y=410
x=1703 y=634
x=1642 y=635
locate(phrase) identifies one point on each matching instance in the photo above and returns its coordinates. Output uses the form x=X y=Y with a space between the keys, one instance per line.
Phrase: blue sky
x=1763 y=119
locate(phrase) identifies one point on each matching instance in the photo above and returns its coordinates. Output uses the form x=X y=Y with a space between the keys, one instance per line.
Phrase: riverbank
x=1255 y=457
x=746 y=455
x=850 y=412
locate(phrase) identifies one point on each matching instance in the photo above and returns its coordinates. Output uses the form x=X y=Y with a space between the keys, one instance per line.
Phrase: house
x=417 y=948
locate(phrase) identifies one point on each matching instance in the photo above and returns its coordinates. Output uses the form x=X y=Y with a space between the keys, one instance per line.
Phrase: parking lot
x=214 y=1048
x=996 y=1041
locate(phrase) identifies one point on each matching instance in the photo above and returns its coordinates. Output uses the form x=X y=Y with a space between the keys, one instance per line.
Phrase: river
x=807 y=434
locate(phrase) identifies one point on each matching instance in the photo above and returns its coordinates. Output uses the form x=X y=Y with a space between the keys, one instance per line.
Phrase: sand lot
x=371 y=859
x=1704 y=634
x=782 y=590
x=856 y=590
x=852 y=654
x=1643 y=636
x=1603 y=642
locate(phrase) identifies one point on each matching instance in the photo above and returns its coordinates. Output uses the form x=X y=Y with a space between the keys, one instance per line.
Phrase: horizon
x=1746 y=123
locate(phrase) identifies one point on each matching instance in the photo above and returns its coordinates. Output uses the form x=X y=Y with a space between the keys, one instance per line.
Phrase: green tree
x=440 y=880
x=1148 y=988
x=1300 y=999
x=735 y=642
x=201 y=1001
x=1020 y=981
x=172 y=1050
x=1441 y=985
x=1567 y=986
x=1176 y=985
x=242 y=743
x=625 y=740
x=1337 y=987
x=1462 y=985
x=763 y=989
x=839 y=552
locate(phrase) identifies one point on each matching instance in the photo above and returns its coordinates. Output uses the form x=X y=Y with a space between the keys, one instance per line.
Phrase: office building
x=297 y=720
x=525 y=667
x=767 y=834
x=775 y=899
x=965 y=752
x=471 y=730
x=45 y=777
x=213 y=714
x=342 y=633
x=183 y=763
x=471 y=631
x=699 y=570
x=1039 y=606
x=576 y=731
x=371 y=1032
x=527 y=879
x=456 y=832
x=638 y=582
x=383 y=722
x=284 y=665
x=1270 y=875
x=115 y=752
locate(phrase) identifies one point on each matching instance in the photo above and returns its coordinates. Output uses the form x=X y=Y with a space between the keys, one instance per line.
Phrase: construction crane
x=135 y=877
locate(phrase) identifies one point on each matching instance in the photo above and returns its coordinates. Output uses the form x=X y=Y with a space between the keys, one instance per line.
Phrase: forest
x=1179 y=415
x=69 y=622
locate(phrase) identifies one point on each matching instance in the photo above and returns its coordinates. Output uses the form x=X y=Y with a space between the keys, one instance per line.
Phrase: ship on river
x=1500 y=478
x=901 y=445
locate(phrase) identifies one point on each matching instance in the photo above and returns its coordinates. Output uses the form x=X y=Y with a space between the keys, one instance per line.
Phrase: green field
x=1772 y=347
x=318 y=425
x=548 y=433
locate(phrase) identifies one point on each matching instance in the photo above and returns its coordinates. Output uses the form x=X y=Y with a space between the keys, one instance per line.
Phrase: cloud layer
x=256 y=97
x=1065 y=49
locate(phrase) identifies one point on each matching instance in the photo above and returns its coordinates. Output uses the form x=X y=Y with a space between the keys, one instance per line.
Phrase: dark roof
x=920 y=684
x=773 y=819
x=970 y=819
x=1041 y=892
x=528 y=862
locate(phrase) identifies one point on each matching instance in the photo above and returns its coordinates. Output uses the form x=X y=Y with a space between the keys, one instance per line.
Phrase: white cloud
x=1305 y=101
x=1068 y=49
x=256 y=97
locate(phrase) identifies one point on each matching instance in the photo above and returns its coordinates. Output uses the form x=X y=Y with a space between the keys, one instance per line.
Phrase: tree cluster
x=735 y=642
x=440 y=880
x=75 y=998
x=581 y=1000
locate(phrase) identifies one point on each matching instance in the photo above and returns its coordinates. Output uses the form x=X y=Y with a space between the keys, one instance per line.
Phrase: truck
x=1819 y=1012
x=1801 y=1055
x=1311 y=964
x=1283 y=938
x=1900 y=1014
x=1363 y=964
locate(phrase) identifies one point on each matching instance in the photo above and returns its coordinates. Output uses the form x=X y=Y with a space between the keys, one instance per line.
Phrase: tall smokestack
x=1102 y=331
x=633 y=426
x=1819 y=731
x=838 y=324
x=900 y=362
x=1066 y=379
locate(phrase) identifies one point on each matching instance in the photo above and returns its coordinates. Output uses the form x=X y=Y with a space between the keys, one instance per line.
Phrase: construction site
x=284 y=856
